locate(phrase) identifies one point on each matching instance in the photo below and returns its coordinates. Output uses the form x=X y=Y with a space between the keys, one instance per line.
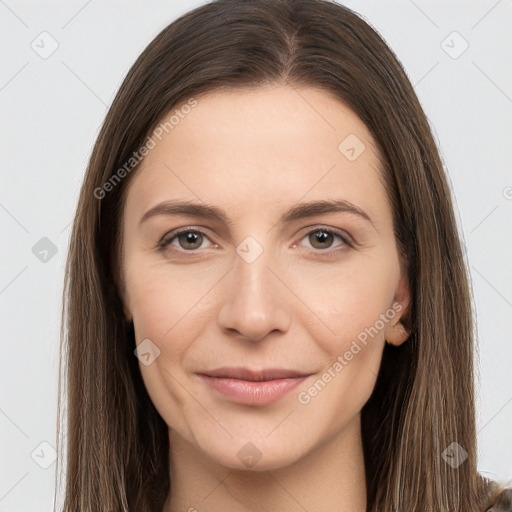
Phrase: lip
x=253 y=387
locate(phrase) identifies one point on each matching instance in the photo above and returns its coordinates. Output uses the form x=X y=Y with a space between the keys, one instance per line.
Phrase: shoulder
x=503 y=503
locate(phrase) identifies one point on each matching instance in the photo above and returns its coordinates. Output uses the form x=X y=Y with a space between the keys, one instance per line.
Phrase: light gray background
x=51 y=111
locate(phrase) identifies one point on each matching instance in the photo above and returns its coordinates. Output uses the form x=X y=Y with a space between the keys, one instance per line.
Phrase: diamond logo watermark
x=454 y=45
x=44 y=250
x=249 y=455
x=44 y=455
x=249 y=249
x=147 y=352
x=45 y=45
x=454 y=455
x=351 y=147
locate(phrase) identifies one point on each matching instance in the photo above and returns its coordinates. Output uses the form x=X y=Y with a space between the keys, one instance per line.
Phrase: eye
x=187 y=239
x=323 y=239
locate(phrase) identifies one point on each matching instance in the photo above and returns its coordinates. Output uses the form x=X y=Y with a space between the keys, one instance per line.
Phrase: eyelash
x=169 y=237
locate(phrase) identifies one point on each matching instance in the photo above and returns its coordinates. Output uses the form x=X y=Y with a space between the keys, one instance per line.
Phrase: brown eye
x=321 y=239
x=190 y=240
x=327 y=241
x=185 y=240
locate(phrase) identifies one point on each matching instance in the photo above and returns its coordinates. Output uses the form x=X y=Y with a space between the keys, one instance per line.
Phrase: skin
x=256 y=154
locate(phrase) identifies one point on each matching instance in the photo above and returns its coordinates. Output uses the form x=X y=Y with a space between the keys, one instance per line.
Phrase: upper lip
x=254 y=375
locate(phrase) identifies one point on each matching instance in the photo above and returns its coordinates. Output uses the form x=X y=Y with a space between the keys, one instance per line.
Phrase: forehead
x=249 y=150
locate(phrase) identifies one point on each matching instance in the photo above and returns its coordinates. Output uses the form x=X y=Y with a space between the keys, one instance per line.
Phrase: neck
x=329 y=478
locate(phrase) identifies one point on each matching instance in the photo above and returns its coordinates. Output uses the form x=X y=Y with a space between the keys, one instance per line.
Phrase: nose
x=255 y=302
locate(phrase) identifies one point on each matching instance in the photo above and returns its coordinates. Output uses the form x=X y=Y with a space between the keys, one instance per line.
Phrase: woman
x=265 y=223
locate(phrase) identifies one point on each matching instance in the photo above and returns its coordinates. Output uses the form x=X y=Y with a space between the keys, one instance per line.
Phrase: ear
x=397 y=330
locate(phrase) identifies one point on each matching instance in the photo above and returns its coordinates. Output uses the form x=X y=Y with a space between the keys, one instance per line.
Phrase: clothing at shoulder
x=504 y=502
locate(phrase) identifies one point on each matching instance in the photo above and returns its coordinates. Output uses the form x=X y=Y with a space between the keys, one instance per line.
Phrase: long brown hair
x=117 y=444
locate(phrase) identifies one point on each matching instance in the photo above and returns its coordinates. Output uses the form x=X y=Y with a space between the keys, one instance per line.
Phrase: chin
x=256 y=453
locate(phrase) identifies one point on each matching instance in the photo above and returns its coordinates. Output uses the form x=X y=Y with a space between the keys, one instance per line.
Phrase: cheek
x=352 y=303
x=346 y=302
x=172 y=314
x=350 y=335
x=170 y=307
x=164 y=299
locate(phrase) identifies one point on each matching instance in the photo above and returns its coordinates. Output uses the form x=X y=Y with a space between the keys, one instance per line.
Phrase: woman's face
x=260 y=328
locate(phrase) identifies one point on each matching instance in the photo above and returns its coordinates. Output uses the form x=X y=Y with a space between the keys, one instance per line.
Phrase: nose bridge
x=254 y=305
x=256 y=280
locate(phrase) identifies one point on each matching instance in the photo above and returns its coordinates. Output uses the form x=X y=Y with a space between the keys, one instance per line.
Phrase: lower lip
x=247 y=392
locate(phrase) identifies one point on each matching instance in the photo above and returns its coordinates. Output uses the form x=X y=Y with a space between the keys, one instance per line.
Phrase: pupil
x=321 y=237
x=191 y=238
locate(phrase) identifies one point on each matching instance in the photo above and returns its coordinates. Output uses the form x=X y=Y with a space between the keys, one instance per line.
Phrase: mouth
x=252 y=387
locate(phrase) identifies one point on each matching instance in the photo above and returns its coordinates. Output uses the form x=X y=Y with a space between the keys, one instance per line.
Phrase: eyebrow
x=301 y=211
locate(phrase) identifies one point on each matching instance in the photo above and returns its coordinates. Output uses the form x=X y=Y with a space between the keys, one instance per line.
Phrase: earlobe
x=397 y=335
x=398 y=330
